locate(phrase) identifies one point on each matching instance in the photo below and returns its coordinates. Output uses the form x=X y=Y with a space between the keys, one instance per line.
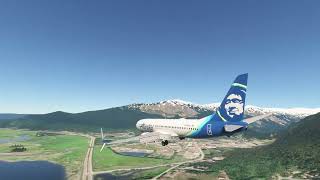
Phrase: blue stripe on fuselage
x=217 y=127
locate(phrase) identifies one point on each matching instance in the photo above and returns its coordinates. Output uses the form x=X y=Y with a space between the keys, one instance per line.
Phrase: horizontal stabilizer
x=231 y=127
x=256 y=118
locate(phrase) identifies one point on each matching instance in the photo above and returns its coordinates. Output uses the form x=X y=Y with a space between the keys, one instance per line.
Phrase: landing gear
x=164 y=143
x=182 y=138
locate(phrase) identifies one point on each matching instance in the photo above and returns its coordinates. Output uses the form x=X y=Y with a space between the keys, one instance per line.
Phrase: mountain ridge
x=125 y=117
x=6 y=116
x=303 y=112
x=295 y=154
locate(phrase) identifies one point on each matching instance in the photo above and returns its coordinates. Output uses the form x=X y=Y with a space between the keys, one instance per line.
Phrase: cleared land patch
x=108 y=160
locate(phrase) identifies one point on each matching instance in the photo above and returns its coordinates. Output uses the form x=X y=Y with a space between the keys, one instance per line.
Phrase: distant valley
x=7 y=116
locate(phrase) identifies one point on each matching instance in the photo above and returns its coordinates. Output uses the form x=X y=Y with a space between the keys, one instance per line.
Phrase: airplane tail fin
x=102 y=136
x=232 y=106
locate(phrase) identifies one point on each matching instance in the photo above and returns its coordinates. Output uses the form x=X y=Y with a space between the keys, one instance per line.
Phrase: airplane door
x=209 y=131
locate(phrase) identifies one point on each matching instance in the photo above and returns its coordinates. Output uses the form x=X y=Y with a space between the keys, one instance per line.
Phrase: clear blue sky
x=85 y=55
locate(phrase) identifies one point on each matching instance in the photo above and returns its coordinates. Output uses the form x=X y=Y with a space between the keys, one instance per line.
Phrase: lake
x=35 y=170
x=135 y=154
x=15 y=139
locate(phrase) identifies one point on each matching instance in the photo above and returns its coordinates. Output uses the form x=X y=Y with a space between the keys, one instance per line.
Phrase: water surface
x=33 y=170
x=135 y=154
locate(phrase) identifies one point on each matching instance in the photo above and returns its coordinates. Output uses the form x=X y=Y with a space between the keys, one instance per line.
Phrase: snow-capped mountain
x=176 y=108
x=172 y=108
x=187 y=109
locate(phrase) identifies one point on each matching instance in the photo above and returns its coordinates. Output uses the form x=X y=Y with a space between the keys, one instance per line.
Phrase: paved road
x=87 y=165
x=131 y=169
x=179 y=164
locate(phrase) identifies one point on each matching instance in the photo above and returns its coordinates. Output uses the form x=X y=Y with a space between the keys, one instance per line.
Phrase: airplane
x=225 y=121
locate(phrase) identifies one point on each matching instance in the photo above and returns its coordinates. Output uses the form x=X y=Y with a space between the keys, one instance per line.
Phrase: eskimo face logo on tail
x=234 y=105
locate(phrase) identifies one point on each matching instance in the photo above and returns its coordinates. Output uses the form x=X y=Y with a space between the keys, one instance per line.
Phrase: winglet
x=104 y=144
x=102 y=140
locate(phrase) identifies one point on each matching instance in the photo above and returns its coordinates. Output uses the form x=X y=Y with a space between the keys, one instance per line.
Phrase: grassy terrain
x=150 y=173
x=67 y=150
x=108 y=160
x=72 y=149
x=216 y=152
x=136 y=174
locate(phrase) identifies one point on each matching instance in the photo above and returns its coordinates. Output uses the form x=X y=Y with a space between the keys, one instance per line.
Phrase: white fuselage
x=179 y=127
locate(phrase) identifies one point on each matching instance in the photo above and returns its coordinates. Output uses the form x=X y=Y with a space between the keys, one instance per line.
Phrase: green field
x=108 y=160
x=67 y=150
x=150 y=173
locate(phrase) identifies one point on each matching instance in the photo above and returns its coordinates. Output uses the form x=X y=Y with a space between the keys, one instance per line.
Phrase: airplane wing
x=146 y=137
x=256 y=118
x=122 y=141
x=232 y=127
x=158 y=134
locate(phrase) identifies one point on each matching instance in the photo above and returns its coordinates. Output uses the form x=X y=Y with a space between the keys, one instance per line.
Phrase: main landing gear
x=164 y=143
